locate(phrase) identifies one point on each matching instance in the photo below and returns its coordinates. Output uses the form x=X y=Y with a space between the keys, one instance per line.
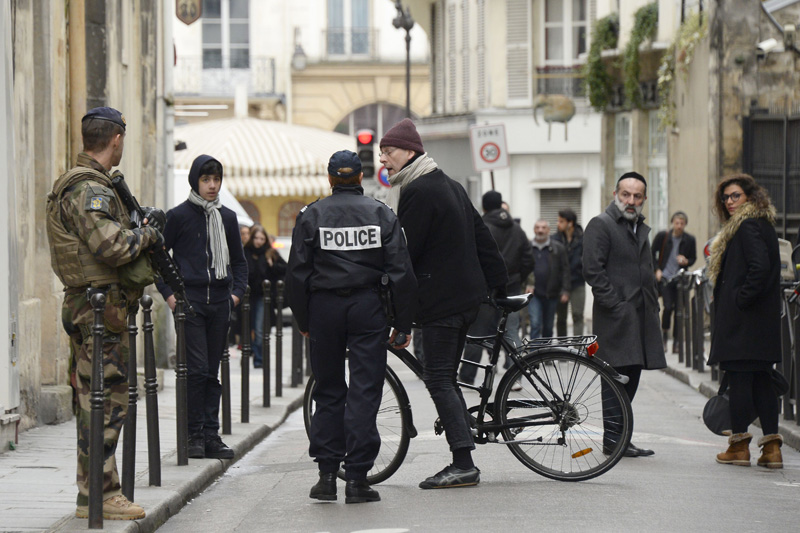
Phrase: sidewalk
x=702 y=382
x=37 y=480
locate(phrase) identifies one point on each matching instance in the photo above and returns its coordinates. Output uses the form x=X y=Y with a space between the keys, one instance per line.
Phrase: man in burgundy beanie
x=454 y=257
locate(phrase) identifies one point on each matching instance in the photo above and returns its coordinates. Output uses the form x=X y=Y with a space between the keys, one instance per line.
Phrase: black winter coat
x=514 y=246
x=454 y=255
x=747 y=296
x=574 y=254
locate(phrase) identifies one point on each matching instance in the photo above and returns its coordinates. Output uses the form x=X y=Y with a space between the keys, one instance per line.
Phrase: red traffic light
x=365 y=137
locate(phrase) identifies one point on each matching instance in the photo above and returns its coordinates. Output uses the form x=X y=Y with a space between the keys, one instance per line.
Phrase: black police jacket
x=347 y=241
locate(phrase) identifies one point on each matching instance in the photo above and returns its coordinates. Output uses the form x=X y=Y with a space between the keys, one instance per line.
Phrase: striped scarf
x=216 y=233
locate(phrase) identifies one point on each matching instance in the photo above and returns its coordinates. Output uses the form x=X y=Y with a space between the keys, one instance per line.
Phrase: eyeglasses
x=732 y=196
x=386 y=153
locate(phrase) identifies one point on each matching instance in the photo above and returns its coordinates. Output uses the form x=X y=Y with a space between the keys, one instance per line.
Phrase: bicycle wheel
x=556 y=410
x=391 y=426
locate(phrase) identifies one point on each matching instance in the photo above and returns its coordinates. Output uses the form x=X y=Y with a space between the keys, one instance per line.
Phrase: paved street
x=681 y=488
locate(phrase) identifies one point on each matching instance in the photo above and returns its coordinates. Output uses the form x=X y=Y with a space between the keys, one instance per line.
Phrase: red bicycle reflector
x=581 y=453
x=592 y=348
x=365 y=137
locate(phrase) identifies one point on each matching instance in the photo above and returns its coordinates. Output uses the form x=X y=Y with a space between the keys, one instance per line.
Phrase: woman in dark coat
x=263 y=263
x=746 y=340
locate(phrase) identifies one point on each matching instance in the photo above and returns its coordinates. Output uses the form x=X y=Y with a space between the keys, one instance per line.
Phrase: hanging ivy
x=598 y=80
x=645 y=25
x=676 y=59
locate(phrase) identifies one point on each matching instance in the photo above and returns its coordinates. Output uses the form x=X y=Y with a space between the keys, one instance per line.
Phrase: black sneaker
x=452 y=476
x=325 y=489
x=197 y=446
x=216 y=449
x=360 y=492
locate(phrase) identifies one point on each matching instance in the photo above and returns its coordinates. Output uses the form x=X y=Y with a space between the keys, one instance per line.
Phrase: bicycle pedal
x=438 y=427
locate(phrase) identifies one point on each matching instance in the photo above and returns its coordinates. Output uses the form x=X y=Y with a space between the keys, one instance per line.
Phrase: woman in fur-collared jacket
x=746 y=343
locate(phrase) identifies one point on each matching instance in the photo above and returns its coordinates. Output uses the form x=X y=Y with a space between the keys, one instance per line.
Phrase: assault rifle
x=165 y=265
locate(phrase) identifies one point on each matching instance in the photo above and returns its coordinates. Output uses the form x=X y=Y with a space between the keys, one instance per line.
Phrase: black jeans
x=669 y=295
x=343 y=427
x=206 y=335
x=443 y=341
x=752 y=393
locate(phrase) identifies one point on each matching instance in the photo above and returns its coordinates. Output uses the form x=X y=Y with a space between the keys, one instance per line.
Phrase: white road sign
x=488 y=147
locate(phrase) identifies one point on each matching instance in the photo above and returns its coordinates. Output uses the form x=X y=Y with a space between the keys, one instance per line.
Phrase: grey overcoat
x=618 y=265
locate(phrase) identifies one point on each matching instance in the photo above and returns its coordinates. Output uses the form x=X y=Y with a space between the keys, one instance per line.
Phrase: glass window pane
x=240 y=58
x=578 y=10
x=554 y=44
x=239 y=9
x=212 y=58
x=360 y=13
x=240 y=33
x=211 y=9
x=554 y=11
x=578 y=41
x=360 y=41
x=212 y=32
x=335 y=13
x=335 y=41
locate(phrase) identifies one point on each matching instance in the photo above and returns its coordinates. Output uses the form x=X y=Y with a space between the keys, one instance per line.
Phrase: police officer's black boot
x=359 y=492
x=325 y=489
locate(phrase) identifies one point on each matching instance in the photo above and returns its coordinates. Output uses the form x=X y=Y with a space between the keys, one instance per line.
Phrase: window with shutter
x=438 y=56
x=551 y=201
x=466 y=88
x=452 y=58
x=518 y=52
x=481 y=54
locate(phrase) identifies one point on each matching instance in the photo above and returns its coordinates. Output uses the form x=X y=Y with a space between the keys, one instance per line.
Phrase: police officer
x=90 y=241
x=342 y=246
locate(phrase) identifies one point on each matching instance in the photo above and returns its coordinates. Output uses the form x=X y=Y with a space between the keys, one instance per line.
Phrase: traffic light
x=366 y=151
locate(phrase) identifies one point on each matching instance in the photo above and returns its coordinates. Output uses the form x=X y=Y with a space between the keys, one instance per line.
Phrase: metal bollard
x=182 y=411
x=225 y=377
x=129 y=437
x=297 y=355
x=151 y=396
x=97 y=413
x=279 y=342
x=698 y=316
x=246 y=351
x=680 y=305
x=687 y=323
x=265 y=348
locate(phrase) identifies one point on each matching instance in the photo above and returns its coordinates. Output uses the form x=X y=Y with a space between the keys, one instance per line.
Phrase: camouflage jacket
x=89 y=228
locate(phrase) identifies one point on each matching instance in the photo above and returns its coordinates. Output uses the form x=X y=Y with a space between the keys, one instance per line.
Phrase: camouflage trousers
x=77 y=318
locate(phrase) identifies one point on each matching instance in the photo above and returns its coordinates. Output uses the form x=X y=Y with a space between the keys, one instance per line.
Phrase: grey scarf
x=421 y=166
x=216 y=233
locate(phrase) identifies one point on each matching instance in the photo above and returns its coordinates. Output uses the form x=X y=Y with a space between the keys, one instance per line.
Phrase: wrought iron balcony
x=568 y=81
x=217 y=78
x=350 y=44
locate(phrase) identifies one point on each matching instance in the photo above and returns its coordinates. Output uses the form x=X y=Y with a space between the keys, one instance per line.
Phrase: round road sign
x=490 y=152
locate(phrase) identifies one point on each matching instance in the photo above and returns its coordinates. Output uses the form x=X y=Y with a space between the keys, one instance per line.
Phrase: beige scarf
x=729 y=229
x=421 y=166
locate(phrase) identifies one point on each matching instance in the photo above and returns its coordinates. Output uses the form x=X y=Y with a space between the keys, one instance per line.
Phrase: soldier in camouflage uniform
x=88 y=230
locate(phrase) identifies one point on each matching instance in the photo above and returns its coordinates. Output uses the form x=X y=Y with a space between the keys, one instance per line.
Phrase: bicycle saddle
x=513 y=303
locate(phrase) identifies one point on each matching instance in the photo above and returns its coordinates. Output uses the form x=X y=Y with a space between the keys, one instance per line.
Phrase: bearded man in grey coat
x=618 y=265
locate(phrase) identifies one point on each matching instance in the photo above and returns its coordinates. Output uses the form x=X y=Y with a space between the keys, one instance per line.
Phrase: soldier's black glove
x=159 y=242
x=155 y=218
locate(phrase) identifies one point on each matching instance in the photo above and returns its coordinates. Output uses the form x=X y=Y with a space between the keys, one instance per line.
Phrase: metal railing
x=568 y=81
x=194 y=78
x=694 y=316
x=350 y=44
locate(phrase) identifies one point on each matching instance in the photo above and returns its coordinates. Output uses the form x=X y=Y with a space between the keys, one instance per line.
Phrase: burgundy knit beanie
x=403 y=135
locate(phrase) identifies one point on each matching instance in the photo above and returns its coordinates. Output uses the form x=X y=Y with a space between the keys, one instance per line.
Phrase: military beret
x=106 y=113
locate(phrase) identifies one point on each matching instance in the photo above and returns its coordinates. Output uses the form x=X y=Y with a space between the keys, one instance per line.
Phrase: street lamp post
x=404 y=20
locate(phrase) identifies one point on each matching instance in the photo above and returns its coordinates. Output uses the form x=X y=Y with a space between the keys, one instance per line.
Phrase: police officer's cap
x=106 y=113
x=344 y=159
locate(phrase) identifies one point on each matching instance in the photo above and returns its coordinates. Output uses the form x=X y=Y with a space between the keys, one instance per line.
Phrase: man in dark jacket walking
x=549 y=282
x=672 y=251
x=456 y=262
x=206 y=244
x=618 y=265
x=570 y=234
x=517 y=253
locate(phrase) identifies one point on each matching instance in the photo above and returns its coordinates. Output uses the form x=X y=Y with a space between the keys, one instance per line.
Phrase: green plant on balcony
x=645 y=25
x=676 y=60
x=598 y=80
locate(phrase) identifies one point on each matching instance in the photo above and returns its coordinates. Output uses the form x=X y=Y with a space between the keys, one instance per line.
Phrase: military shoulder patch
x=97 y=202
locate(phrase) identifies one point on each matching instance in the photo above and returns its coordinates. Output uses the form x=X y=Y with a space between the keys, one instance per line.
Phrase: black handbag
x=779 y=382
x=717 y=412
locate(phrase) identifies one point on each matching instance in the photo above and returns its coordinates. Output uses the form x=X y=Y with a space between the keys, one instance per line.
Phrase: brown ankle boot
x=771 y=451
x=738 y=452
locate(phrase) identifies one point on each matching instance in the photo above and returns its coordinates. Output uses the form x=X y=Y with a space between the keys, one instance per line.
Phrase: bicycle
x=548 y=408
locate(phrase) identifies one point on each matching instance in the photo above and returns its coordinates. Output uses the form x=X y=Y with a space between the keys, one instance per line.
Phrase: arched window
x=287 y=216
x=377 y=117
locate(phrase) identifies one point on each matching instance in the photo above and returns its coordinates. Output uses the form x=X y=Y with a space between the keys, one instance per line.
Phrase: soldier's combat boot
x=738 y=452
x=115 y=508
x=771 y=456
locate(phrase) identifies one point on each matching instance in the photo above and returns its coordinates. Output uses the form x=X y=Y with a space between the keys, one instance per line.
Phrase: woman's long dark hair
x=756 y=194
